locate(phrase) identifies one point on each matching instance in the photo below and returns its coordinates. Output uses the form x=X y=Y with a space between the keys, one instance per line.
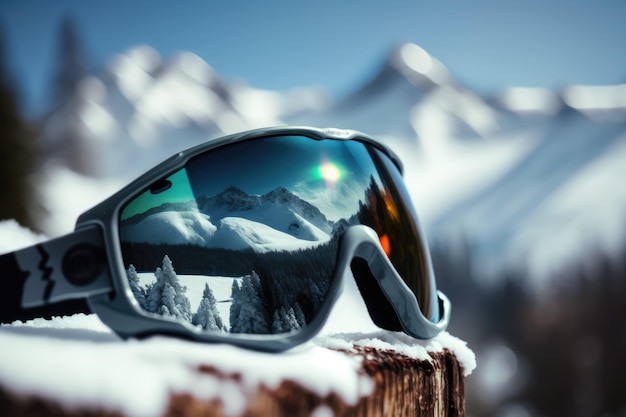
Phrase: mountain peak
x=234 y=199
x=418 y=66
x=280 y=194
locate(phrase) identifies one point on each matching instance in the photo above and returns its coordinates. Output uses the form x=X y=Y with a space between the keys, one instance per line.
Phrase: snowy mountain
x=279 y=208
x=413 y=101
x=529 y=177
x=141 y=109
x=239 y=233
x=564 y=197
x=170 y=226
x=510 y=177
x=233 y=219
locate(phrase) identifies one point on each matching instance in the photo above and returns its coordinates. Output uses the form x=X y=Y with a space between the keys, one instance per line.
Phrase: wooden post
x=403 y=386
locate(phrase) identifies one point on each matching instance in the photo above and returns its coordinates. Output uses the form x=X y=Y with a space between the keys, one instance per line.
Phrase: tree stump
x=399 y=385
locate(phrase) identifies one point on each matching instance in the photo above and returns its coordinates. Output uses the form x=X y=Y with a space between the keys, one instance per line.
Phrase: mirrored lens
x=389 y=211
x=244 y=239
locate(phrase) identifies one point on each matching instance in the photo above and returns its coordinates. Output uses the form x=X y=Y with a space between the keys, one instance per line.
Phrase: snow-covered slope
x=173 y=227
x=413 y=103
x=239 y=233
x=279 y=208
x=233 y=219
x=514 y=221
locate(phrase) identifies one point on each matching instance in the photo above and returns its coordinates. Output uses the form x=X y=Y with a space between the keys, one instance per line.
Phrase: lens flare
x=384 y=242
x=330 y=172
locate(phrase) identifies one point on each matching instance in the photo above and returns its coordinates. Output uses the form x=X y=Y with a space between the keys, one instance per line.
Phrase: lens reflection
x=245 y=238
x=388 y=210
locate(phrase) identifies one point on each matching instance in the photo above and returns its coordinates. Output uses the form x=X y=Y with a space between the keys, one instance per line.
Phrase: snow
x=410 y=58
x=592 y=201
x=459 y=170
x=278 y=220
x=78 y=361
x=180 y=227
x=137 y=377
x=600 y=97
x=238 y=233
x=231 y=232
x=529 y=100
x=67 y=194
x=16 y=237
x=403 y=344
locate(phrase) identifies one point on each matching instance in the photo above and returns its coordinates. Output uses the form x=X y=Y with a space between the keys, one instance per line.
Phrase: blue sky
x=280 y=44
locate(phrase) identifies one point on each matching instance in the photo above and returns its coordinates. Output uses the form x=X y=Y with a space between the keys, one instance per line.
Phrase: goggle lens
x=245 y=238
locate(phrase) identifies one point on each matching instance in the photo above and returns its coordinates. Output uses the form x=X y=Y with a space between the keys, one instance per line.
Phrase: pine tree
x=207 y=315
x=21 y=155
x=135 y=286
x=168 y=305
x=153 y=301
x=71 y=66
x=290 y=319
x=69 y=141
x=277 y=323
x=235 y=306
x=299 y=314
x=285 y=321
x=168 y=292
x=164 y=311
x=208 y=294
x=252 y=317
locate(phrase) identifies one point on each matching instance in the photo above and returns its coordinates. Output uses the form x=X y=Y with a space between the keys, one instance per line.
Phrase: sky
x=280 y=44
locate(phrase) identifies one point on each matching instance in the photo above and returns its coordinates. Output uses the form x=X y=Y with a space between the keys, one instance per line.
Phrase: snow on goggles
x=244 y=240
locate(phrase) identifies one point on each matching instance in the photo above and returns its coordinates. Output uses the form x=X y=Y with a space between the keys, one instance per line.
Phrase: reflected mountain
x=233 y=219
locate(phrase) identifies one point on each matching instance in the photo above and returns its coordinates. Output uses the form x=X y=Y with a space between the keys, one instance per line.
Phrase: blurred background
x=510 y=120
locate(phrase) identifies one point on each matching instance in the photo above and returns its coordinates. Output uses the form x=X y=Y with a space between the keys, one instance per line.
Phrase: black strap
x=12 y=280
x=54 y=278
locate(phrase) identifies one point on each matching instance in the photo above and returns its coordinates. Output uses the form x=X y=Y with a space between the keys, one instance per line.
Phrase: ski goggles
x=244 y=240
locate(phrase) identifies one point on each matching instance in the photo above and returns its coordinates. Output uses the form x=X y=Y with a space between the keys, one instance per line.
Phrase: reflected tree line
x=279 y=291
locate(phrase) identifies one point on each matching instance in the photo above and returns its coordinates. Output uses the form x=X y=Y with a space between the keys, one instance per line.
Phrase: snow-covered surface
x=78 y=361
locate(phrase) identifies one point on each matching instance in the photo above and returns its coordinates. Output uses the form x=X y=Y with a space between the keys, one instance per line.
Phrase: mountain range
x=233 y=219
x=528 y=177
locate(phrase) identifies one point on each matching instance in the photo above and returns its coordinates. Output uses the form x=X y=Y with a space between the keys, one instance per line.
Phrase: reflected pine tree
x=252 y=317
x=396 y=232
x=207 y=316
x=280 y=283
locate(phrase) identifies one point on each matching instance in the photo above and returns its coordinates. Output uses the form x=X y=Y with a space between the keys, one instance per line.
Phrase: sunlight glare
x=330 y=172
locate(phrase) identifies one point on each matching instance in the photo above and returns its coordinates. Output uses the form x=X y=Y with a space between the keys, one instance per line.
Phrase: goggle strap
x=70 y=267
